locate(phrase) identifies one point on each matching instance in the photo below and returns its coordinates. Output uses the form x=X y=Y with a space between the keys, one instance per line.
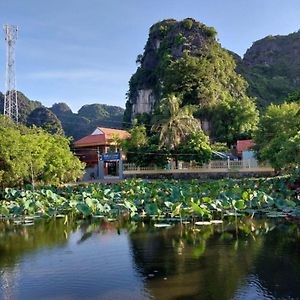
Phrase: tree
x=31 y=155
x=148 y=153
x=195 y=147
x=277 y=137
x=293 y=97
x=138 y=136
x=231 y=119
x=174 y=123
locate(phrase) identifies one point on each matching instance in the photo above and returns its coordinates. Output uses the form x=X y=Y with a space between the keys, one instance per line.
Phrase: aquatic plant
x=167 y=200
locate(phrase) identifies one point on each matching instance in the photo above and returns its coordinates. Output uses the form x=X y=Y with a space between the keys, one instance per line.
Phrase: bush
x=188 y=24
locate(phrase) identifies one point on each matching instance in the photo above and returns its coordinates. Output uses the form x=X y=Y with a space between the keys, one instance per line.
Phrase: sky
x=84 y=51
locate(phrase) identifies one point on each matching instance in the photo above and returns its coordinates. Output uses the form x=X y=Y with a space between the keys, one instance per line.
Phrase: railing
x=214 y=165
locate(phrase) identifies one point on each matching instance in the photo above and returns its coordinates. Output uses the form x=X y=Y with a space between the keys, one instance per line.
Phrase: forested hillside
x=272 y=68
x=60 y=118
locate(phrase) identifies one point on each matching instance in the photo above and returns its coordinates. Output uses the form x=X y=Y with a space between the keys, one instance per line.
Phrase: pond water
x=239 y=259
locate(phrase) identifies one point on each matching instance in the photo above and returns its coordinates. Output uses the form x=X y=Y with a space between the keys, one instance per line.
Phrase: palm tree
x=174 y=123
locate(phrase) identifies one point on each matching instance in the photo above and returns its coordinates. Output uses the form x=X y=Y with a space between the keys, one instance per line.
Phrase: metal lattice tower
x=11 y=98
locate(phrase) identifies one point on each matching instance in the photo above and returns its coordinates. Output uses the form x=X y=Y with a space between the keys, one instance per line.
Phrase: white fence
x=212 y=166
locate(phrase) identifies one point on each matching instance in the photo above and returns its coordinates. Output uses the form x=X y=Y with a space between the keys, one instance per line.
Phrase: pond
x=239 y=259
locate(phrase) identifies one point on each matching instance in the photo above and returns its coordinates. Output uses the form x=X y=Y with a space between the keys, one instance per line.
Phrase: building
x=90 y=148
x=243 y=146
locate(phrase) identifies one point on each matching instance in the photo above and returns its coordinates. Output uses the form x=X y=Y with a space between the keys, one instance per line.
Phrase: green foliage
x=165 y=199
x=293 y=97
x=25 y=106
x=138 y=137
x=277 y=137
x=232 y=120
x=179 y=39
x=191 y=65
x=195 y=147
x=188 y=24
x=144 y=151
x=99 y=111
x=220 y=147
x=271 y=67
x=211 y=31
x=88 y=118
x=74 y=125
x=46 y=119
x=61 y=109
x=35 y=156
x=174 y=123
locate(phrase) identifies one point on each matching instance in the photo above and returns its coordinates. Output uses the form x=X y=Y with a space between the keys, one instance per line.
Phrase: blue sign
x=110 y=156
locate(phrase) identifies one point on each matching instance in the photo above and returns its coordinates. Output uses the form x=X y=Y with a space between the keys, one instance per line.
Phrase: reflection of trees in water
x=16 y=241
x=206 y=263
x=278 y=264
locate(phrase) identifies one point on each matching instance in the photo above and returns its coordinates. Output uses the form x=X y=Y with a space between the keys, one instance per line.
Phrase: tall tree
x=31 y=155
x=173 y=122
x=278 y=136
x=195 y=148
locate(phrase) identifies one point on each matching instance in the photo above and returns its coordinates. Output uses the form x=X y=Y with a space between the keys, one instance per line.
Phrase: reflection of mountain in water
x=188 y=264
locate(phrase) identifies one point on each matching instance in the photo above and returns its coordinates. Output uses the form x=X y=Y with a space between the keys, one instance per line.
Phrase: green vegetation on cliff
x=25 y=106
x=46 y=119
x=184 y=58
x=272 y=68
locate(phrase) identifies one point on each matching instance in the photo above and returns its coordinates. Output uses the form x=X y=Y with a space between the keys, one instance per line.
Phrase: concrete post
x=121 y=175
x=101 y=169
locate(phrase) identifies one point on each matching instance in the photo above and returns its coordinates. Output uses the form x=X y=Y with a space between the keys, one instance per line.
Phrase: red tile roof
x=244 y=145
x=123 y=134
x=101 y=138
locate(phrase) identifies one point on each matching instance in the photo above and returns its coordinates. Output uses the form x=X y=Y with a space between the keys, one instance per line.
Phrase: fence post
x=121 y=176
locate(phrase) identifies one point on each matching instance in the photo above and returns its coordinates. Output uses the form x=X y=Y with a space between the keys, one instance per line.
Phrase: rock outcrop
x=272 y=68
x=168 y=38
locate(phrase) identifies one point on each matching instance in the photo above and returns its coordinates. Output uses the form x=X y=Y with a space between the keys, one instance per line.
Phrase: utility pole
x=10 y=98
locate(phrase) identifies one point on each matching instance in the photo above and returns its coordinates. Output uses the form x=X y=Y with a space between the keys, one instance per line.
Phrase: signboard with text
x=109 y=156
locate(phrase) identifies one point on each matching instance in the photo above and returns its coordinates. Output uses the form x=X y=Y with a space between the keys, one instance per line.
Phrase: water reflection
x=234 y=261
x=240 y=259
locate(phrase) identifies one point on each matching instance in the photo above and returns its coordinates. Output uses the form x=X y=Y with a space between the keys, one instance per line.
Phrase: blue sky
x=84 y=51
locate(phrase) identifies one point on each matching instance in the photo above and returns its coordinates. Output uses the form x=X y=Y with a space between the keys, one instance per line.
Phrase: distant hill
x=61 y=115
x=89 y=116
x=272 y=68
x=25 y=106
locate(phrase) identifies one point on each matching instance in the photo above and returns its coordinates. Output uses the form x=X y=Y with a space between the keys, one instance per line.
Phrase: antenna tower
x=10 y=98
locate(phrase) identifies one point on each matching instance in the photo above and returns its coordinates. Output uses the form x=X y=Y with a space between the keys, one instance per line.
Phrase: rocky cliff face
x=271 y=65
x=272 y=68
x=167 y=39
